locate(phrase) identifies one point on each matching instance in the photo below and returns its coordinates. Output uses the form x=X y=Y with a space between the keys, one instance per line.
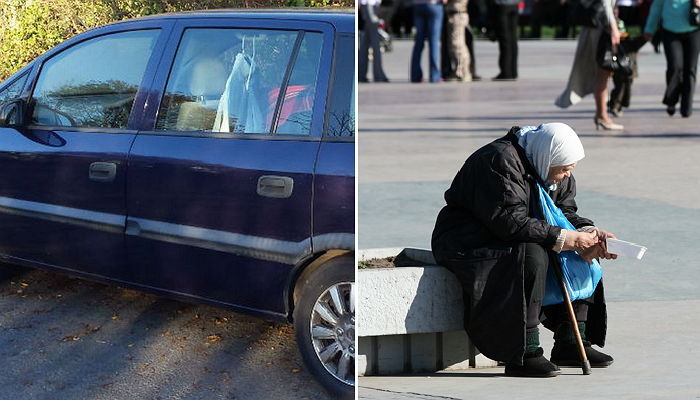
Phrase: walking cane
x=585 y=364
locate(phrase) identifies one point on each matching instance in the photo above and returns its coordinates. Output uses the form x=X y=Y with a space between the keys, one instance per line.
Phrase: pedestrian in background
x=369 y=37
x=456 y=63
x=505 y=22
x=427 y=18
x=621 y=94
x=681 y=45
x=586 y=75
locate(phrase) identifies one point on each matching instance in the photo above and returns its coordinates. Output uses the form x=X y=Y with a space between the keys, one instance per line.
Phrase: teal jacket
x=674 y=16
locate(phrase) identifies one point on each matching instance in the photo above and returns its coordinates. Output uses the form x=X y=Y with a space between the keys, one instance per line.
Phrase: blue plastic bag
x=581 y=278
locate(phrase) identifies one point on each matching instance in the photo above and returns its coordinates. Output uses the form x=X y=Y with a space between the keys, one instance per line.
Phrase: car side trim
x=68 y=215
x=333 y=241
x=282 y=251
x=261 y=248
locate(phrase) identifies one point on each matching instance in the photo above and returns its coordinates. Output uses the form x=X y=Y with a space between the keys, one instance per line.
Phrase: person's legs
x=600 y=94
x=673 y=49
x=615 y=102
x=457 y=52
x=377 y=69
x=433 y=31
x=691 y=48
x=565 y=352
x=513 y=41
x=500 y=26
x=507 y=35
x=469 y=37
x=363 y=59
x=534 y=279
x=419 y=16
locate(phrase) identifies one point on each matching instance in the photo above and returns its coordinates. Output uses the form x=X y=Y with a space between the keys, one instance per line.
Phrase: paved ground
x=65 y=338
x=642 y=184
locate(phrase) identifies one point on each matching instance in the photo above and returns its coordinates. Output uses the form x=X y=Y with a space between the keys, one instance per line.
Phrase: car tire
x=324 y=320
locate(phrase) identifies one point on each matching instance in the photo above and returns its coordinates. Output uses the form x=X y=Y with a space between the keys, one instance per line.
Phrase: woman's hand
x=614 y=34
x=599 y=250
x=579 y=241
x=602 y=235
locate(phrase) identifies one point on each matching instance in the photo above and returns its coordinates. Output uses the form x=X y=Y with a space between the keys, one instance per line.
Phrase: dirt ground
x=67 y=338
x=387 y=262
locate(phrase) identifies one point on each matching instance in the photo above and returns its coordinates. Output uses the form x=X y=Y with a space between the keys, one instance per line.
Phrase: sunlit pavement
x=643 y=184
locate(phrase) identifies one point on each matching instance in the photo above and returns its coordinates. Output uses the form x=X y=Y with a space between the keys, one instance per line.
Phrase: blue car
x=207 y=156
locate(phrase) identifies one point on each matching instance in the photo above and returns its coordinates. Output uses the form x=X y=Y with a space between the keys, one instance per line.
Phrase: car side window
x=229 y=80
x=341 y=117
x=93 y=84
x=13 y=91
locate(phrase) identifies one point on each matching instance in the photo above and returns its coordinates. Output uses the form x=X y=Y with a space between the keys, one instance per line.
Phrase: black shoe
x=500 y=77
x=382 y=80
x=567 y=355
x=476 y=78
x=670 y=110
x=362 y=80
x=534 y=366
x=615 y=111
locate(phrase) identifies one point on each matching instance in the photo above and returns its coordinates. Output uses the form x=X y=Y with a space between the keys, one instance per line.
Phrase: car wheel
x=324 y=320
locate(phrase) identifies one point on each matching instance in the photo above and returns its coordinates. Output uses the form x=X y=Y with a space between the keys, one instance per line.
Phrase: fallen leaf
x=214 y=338
x=295 y=370
x=23 y=284
x=115 y=317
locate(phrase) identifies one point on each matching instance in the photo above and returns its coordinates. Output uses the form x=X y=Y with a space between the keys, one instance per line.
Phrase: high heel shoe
x=607 y=126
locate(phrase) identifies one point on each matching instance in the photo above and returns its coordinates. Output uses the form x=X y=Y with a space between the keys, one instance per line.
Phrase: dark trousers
x=506 y=23
x=427 y=19
x=681 y=64
x=535 y=278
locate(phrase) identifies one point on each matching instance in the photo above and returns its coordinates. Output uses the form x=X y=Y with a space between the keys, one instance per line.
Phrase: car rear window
x=341 y=117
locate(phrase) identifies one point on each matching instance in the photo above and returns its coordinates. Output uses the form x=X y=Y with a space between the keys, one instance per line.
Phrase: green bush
x=28 y=28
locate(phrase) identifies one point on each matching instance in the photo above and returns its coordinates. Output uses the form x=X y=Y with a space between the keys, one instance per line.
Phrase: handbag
x=613 y=59
x=695 y=16
x=581 y=278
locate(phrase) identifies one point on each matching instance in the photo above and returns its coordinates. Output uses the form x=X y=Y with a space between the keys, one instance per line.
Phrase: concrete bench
x=411 y=318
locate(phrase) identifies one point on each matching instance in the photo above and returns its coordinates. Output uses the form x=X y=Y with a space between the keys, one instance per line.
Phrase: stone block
x=366 y=356
x=408 y=300
x=390 y=354
x=424 y=352
x=456 y=348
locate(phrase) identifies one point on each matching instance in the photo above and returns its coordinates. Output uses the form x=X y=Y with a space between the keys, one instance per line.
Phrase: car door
x=220 y=183
x=62 y=197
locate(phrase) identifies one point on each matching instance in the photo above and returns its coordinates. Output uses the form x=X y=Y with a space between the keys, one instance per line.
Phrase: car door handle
x=103 y=171
x=278 y=187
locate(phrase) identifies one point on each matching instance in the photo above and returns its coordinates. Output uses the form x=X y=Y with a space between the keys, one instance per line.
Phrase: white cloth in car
x=238 y=105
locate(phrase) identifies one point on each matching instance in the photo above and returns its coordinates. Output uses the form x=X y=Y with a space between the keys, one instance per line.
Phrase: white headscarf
x=550 y=145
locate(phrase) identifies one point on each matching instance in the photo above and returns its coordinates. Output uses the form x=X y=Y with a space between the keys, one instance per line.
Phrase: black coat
x=480 y=236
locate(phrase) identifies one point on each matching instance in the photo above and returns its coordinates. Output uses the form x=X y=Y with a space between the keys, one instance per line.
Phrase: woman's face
x=556 y=174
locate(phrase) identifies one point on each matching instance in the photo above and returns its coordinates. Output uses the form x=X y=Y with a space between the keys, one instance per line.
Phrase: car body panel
x=183 y=216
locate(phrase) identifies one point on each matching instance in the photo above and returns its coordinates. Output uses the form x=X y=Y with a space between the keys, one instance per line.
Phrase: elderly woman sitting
x=491 y=237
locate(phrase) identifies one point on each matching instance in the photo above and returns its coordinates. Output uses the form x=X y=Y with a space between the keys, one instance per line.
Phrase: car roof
x=344 y=21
